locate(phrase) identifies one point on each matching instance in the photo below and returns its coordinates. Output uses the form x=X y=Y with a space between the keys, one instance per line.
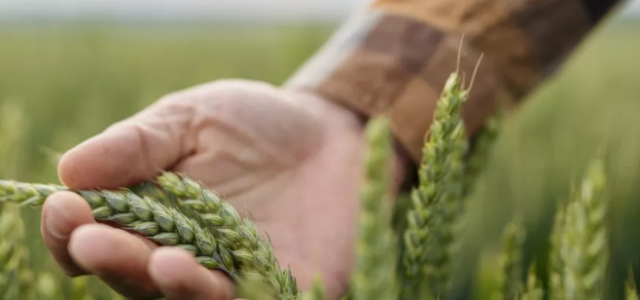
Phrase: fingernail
x=56 y=217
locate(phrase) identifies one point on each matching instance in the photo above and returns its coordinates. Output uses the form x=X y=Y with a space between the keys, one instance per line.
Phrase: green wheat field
x=61 y=84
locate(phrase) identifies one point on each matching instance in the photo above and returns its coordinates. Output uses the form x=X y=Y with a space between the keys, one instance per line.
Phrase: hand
x=291 y=160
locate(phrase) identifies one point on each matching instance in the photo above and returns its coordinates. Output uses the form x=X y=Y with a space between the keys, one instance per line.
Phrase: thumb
x=132 y=150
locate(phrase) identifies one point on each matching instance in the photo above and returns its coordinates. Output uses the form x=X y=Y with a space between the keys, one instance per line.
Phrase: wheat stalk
x=373 y=276
x=580 y=241
x=239 y=237
x=437 y=201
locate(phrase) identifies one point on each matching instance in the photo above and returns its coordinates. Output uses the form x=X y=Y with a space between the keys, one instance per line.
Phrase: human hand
x=291 y=160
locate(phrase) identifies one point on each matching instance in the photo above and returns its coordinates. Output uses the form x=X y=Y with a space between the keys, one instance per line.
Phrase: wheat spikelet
x=580 y=242
x=240 y=237
x=437 y=201
x=373 y=276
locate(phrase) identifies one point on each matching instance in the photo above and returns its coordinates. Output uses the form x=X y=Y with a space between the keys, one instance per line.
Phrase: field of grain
x=62 y=84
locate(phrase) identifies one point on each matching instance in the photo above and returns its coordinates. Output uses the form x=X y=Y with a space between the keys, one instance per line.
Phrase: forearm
x=394 y=58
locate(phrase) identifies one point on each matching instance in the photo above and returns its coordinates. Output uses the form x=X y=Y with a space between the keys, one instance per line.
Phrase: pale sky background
x=193 y=9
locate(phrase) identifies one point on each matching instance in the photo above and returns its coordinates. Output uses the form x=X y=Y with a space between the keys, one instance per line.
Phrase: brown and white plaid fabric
x=394 y=58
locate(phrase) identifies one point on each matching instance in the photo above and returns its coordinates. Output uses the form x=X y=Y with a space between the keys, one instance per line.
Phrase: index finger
x=133 y=150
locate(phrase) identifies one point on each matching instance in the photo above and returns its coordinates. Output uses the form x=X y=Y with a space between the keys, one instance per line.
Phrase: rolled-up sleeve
x=393 y=58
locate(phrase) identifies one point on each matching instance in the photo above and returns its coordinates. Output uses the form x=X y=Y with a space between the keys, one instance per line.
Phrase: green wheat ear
x=15 y=276
x=437 y=202
x=236 y=249
x=579 y=241
x=512 y=261
x=237 y=237
x=374 y=274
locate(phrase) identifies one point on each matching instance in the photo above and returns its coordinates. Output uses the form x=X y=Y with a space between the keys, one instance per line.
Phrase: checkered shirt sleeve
x=393 y=58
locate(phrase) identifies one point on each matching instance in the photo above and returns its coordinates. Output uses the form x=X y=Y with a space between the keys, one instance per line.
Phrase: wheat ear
x=512 y=260
x=580 y=242
x=437 y=201
x=164 y=225
x=15 y=277
x=373 y=276
x=236 y=235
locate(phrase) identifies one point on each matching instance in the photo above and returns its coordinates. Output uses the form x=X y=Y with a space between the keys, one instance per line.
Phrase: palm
x=276 y=156
x=290 y=160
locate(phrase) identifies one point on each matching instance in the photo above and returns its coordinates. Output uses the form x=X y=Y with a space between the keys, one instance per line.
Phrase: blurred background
x=70 y=68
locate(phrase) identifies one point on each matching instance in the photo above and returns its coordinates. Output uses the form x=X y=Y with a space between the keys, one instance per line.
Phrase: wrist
x=326 y=109
x=337 y=113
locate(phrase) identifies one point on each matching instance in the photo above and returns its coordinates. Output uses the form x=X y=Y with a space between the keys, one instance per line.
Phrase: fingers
x=132 y=150
x=180 y=277
x=118 y=258
x=63 y=213
x=131 y=265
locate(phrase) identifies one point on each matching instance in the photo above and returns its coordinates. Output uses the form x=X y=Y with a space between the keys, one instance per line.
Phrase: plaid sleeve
x=393 y=59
